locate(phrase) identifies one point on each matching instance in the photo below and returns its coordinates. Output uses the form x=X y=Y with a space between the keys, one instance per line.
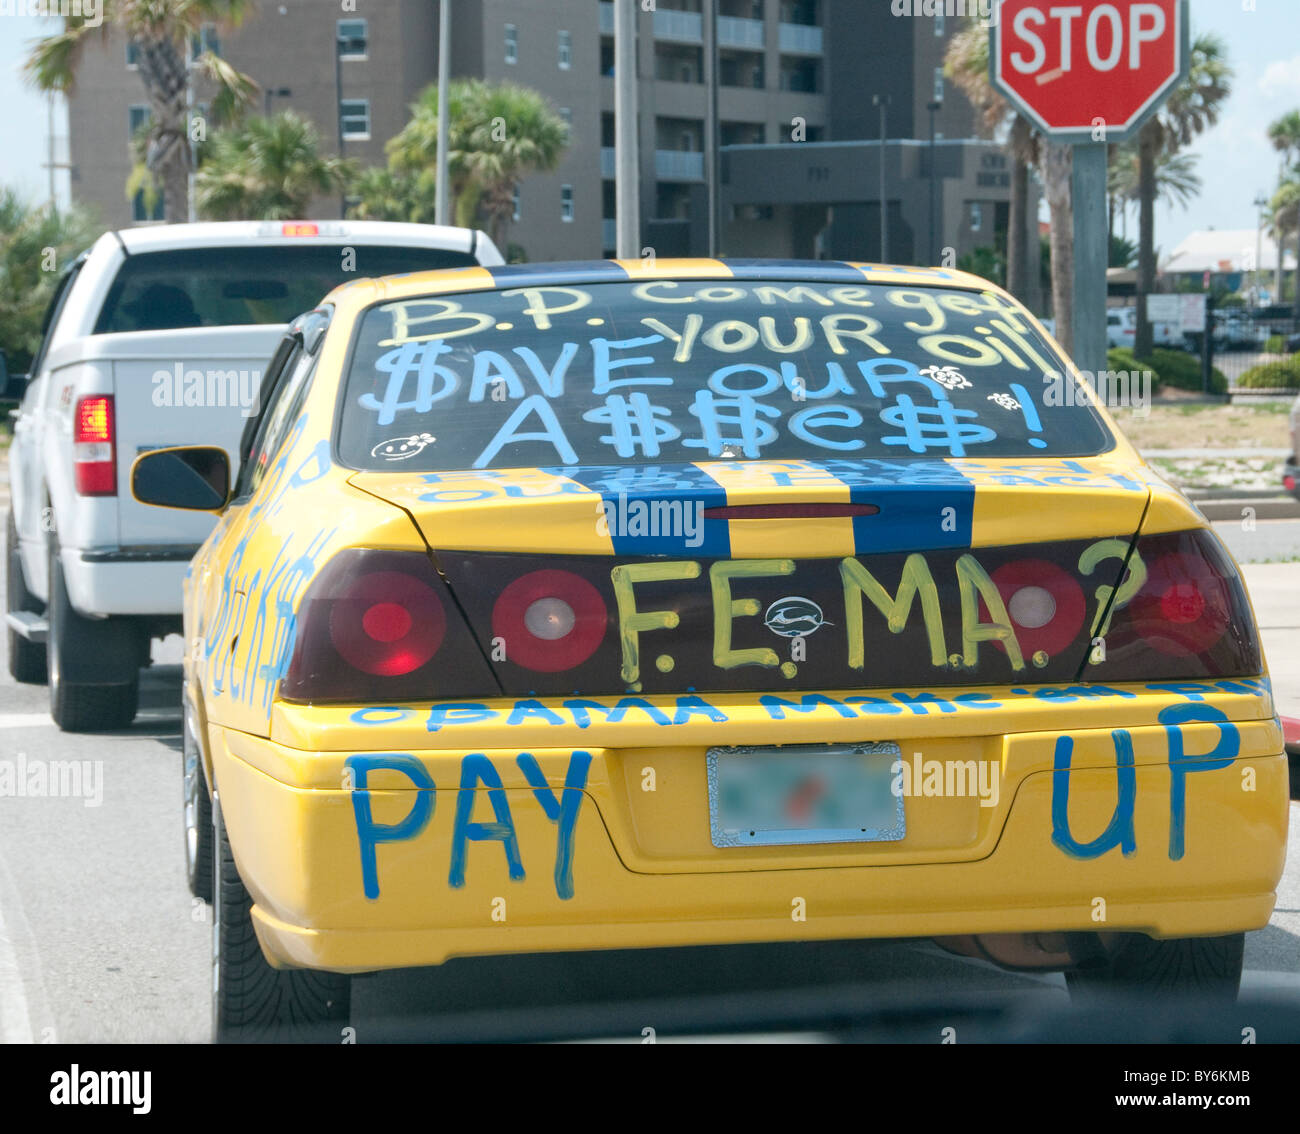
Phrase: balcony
x=609 y=234
x=607 y=19
x=745 y=34
x=608 y=165
x=679 y=165
x=681 y=27
x=802 y=39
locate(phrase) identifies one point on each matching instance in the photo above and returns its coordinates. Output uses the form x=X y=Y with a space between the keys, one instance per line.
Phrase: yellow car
x=633 y=604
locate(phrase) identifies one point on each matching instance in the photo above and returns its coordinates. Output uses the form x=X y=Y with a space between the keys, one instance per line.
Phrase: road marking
x=25 y=720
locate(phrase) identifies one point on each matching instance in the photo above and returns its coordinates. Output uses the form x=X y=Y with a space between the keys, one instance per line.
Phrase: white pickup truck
x=155 y=337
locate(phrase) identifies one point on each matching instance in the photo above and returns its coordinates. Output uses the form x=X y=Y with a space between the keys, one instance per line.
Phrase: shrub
x=1284 y=374
x=1276 y=344
x=1175 y=368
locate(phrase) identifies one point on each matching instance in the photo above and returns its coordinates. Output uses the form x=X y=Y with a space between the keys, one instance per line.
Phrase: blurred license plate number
x=800 y=795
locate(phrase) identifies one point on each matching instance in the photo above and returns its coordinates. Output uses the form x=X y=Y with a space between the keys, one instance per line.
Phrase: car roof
x=217 y=234
x=620 y=271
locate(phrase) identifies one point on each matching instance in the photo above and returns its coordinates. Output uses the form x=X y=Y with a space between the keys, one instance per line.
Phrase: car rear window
x=223 y=287
x=669 y=371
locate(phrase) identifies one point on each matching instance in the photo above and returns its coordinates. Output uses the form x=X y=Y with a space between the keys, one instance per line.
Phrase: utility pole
x=442 y=204
x=933 y=108
x=882 y=101
x=714 y=128
x=1260 y=202
x=1091 y=255
x=338 y=106
x=627 y=165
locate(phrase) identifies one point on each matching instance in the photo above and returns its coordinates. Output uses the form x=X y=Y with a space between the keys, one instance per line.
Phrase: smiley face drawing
x=403 y=448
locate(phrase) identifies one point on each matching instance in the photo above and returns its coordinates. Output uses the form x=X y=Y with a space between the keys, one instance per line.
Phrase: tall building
x=798 y=133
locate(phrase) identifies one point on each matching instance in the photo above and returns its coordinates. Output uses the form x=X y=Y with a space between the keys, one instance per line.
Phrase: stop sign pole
x=1089 y=73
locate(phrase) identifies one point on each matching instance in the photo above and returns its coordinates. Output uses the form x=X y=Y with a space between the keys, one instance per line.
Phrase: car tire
x=197 y=812
x=251 y=1001
x=26 y=659
x=78 y=707
x=1207 y=967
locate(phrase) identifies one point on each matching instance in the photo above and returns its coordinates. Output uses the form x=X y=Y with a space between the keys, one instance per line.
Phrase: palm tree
x=499 y=133
x=163 y=32
x=36 y=243
x=1177 y=181
x=967 y=64
x=1283 y=216
x=1284 y=133
x=267 y=169
x=1193 y=107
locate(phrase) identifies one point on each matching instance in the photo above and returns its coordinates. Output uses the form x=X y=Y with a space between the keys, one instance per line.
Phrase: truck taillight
x=94 y=446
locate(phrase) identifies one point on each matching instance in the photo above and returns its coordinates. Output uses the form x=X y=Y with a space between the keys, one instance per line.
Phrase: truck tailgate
x=182 y=387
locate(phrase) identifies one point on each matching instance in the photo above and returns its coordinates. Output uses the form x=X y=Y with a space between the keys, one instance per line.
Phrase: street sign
x=1089 y=71
x=1088 y=74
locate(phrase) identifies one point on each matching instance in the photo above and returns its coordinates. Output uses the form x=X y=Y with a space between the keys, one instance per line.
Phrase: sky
x=1236 y=161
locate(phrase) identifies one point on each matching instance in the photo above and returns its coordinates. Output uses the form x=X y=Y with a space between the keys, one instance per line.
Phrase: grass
x=1199 y=426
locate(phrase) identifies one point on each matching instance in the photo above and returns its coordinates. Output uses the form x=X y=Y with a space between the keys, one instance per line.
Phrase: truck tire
x=78 y=707
x=251 y=1001
x=26 y=659
x=1206 y=967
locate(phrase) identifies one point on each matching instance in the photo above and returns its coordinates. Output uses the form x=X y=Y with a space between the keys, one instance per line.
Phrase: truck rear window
x=679 y=371
x=230 y=287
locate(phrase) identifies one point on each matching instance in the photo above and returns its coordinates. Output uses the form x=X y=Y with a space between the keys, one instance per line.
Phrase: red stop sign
x=1072 y=66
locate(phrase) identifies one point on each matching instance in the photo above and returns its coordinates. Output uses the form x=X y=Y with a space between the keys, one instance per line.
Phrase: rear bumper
x=143 y=581
x=355 y=864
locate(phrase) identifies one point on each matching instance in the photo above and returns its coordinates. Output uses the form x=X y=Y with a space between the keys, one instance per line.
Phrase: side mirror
x=195 y=478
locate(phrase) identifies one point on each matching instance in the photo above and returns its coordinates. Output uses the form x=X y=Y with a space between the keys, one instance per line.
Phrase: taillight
x=1046 y=605
x=94 y=446
x=550 y=621
x=1188 y=617
x=382 y=626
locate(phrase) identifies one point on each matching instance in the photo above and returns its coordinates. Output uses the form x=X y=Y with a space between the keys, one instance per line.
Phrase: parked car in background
x=699 y=620
x=155 y=337
x=1121 y=330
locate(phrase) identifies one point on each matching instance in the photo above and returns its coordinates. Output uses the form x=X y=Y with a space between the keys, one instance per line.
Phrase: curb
x=1266 y=508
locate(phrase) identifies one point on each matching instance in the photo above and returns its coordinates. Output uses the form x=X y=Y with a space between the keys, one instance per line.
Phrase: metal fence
x=1243 y=341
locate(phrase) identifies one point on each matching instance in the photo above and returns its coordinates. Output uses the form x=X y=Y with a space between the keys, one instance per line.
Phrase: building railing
x=685 y=27
x=679 y=165
x=733 y=31
x=802 y=39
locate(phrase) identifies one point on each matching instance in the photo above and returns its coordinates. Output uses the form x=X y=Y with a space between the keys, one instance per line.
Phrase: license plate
x=799 y=794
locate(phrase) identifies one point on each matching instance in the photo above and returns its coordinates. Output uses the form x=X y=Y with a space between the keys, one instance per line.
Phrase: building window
x=976 y=216
x=205 y=39
x=512 y=43
x=132 y=55
x=354 y=42
x=354 y=117
x=566 y=203
x=514 y=204
x=566 y=50
x=938 y=84
x=938 y=23
x=136 y=117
